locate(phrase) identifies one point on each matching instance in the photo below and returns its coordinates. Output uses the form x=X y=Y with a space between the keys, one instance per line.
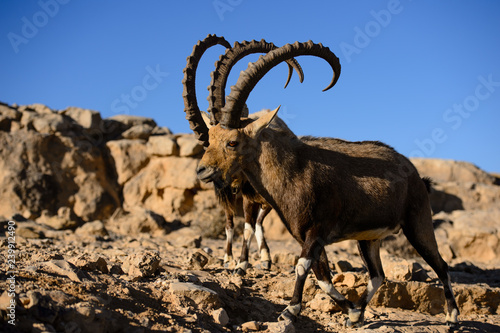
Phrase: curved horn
x=193 y=114
x=255 y=71
x=217 y=98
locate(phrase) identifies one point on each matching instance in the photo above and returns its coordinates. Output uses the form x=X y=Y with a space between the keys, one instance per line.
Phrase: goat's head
x=235 y=140
x=201 y=122
x=230 y=148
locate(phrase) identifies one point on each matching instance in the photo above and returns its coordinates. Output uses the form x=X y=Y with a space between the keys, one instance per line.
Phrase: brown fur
x=328 y=190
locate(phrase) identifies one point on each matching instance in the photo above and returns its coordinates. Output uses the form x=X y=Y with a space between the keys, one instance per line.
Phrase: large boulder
x=88 y=119
x=452 y=171
x=166 y=186
x=45 y=166
x=129 y=156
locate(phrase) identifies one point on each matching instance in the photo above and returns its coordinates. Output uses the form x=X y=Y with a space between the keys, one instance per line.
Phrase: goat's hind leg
x=322 y=272
x=370 y=253
x=420 y=232
x=228 y=256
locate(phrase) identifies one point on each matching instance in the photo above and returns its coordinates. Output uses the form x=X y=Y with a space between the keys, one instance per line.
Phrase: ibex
x=255 y=208
x=324 y=193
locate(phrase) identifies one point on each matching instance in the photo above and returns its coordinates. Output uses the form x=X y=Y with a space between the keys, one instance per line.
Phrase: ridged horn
x=193 y=114
x=255 y=71
x=217 y=95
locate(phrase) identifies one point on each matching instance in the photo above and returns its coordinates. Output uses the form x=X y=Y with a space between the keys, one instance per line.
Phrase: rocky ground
x=112 y=232
x=96 y=280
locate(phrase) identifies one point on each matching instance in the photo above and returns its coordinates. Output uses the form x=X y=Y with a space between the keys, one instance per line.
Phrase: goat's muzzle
x=209 y=174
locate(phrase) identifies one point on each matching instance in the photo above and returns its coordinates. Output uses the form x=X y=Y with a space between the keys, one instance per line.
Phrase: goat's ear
x=257 y=126
x=206 y=119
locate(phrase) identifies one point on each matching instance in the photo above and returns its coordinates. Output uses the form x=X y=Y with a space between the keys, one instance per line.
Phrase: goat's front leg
x=249 y=211
x=311 y=250
x=265 y=256
x=322 y=272
x=228 y=256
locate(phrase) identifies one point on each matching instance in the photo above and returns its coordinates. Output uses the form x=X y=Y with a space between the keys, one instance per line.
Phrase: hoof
x=452 y=327
x=287 y=315
x=239 y=271
x=349 y=324
x=266 y=265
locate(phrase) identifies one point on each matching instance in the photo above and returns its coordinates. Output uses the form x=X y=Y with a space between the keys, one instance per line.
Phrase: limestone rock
x=323 y=303
x=199 y=259
x=475 y=235
x=162 y=145
x=94 y=228
x=137 y=221
x=88 y=119
x=46 y=172
x=285 y=258
x=130 y=120
x=129 y=157
x=250 y=326
x=404 y=270
x=90 y=262
x=451 y=171
x=65 y=268
x=185 y=237
x=65 y=219
x=141 y=131
x=142 y=264
x=450 y=196
x=194 y=295
x=285 y=326
x=165 y=186
x=188 y=146
x=220 y=316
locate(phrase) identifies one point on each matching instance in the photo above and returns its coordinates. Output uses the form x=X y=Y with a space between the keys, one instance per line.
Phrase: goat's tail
x=428 y=183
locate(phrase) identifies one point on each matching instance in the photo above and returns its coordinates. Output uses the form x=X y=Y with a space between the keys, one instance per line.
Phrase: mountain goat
x=255 y=208
x=324 y=193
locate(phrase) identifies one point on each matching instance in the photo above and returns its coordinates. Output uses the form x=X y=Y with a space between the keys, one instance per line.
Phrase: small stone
x=34 y=298
x=285 y=258
x=95 y=228
x=142 y=131
x=5 y=301
x=42 y=328
x=346 y=279
x=250 y=326
x=188 y=145
x=65 y=219
x=199 y=259
x=142 y=264
x=29 y=232
x=220 y=316
x=162 y=145
x=323 y=303
x=343 y=266
x=62 y=267
x=285 y=326
x=86 y=310
x=195 y=295
x=90 y=262
x=116 y=269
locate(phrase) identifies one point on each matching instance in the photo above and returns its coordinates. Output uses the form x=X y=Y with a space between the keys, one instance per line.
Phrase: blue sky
x=422 y=76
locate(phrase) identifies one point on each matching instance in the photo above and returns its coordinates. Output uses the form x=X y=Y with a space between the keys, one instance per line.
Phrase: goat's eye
x=232 y=144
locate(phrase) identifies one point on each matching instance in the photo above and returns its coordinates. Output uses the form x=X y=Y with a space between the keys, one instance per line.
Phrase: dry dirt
x=69 y=281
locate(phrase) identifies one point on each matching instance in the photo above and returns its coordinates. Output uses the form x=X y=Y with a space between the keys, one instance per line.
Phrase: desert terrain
x=105 y=228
